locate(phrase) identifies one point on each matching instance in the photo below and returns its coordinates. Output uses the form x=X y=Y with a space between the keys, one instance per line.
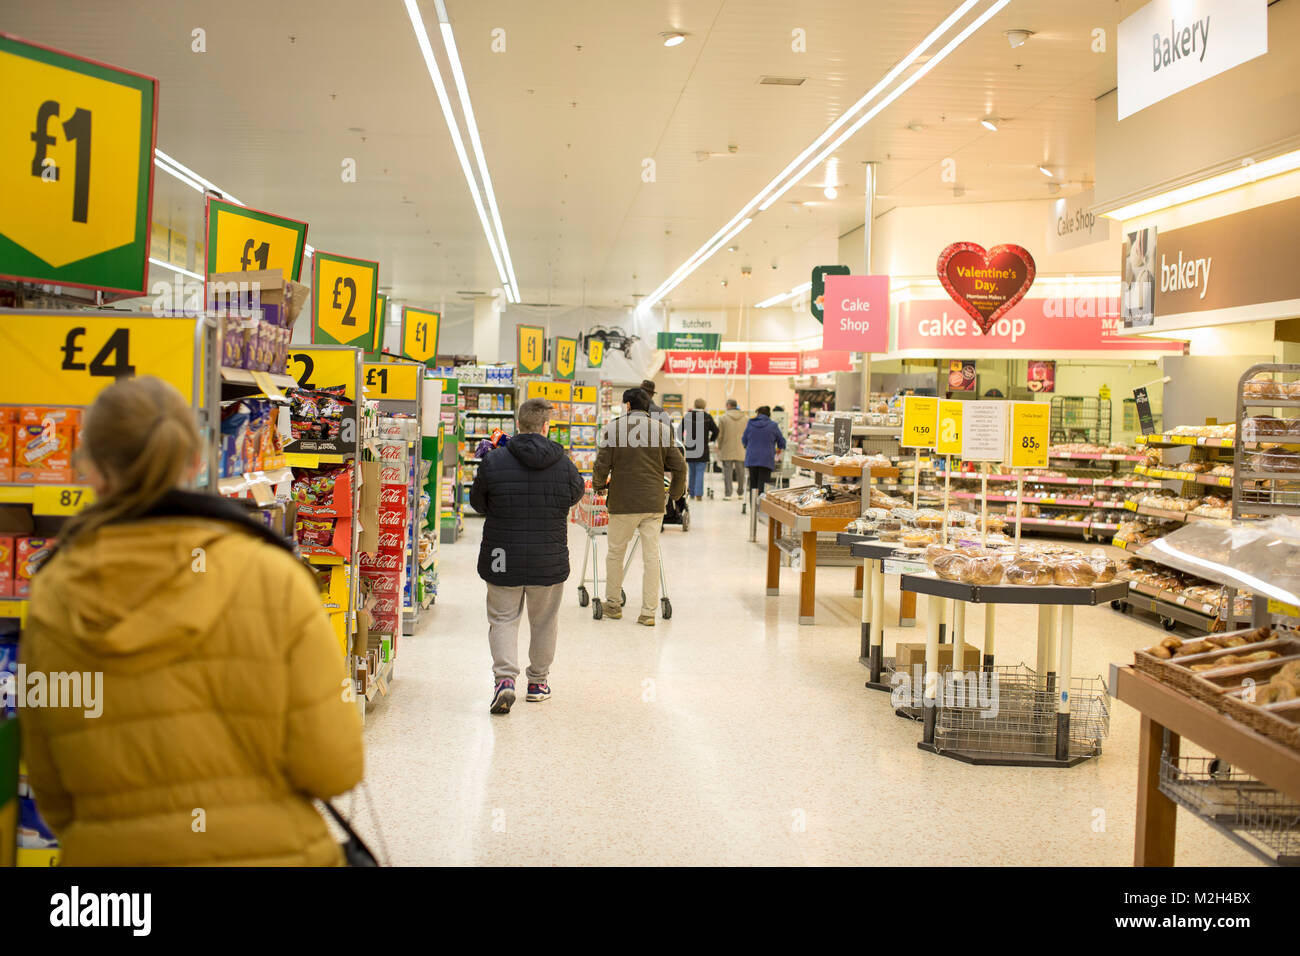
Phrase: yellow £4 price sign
x=532 y=348
x=566 y=357
x=948 y=441
x=343 y=300
x=1029 y=435
x=920 y=422
x=420 y=334
x=241 y=239
x=76 y=169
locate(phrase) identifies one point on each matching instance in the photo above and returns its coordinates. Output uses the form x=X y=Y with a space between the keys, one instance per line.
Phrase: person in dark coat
x=698 y=429
x=763 y=443
x=526 y=490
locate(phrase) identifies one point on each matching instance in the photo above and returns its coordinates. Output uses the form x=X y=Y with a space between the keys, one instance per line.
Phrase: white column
x=487 y=331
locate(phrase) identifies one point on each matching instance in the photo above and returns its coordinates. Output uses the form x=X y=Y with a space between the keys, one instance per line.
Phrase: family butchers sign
x=1170 y=45
x=1042 y=325
x=731 y=363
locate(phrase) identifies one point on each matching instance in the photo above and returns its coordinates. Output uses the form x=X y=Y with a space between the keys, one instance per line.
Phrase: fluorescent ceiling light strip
x=160 y=155
x=784 y=296
x=168 y=265
x=193 y=184
x=435 y=74
x=462 y=90
x=898 y=91
x=659 y=293
x=709 y=248
x=1249 y=173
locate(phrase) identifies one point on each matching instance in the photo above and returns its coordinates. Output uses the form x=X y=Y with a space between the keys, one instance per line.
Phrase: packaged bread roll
x=1029 y=571
x=952 y=566
x=1074 y=573
x=935 y=550
x=1103 y=566
x=983 y=570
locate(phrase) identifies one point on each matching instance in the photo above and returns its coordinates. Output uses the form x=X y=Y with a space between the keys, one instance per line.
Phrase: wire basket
x=1248 y=811
x=1011 y=710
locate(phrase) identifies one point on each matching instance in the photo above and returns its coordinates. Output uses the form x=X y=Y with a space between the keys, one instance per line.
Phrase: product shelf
x=1174 y=441
x=14 y=609
x=1169 y=474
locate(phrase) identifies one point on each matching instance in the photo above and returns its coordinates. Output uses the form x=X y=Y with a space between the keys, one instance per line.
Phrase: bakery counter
x=1168 y=715
x=1033 y=727
x=805 y=557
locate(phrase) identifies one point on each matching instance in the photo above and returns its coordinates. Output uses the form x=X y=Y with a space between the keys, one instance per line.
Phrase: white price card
x=984 y=431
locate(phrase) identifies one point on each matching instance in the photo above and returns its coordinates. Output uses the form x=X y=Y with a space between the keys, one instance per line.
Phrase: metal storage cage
x=1078 y=418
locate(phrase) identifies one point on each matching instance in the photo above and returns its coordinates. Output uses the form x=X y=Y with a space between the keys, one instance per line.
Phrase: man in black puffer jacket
x=526 y=490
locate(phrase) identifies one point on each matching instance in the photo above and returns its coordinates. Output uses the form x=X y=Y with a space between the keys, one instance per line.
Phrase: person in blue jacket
x=763 y=443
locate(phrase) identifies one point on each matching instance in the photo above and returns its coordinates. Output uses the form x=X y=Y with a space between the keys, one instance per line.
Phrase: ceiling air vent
x=781 y=80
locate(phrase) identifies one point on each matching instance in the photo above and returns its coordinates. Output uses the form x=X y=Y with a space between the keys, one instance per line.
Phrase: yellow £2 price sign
x=77 y=139
x=420 y=333
x=1029 y=435
x=948 y=441
x=343 y=300
x=920 y=422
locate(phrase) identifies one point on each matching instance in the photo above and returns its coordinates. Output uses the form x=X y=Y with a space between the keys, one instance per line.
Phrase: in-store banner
x=987 y=284
x=564 y=354
x=689 y=341
x=731 y=363
x=241 y=239
x=1044 y=326
x=856 y=313
x=822 y=361
x=1138 y=285
x=1170 y=45
x=817 y=294
x=1072 y=223
x=530 y=343
x=1040 y=376
x=420 y=329
x=595 y=351
x=961 y=375
x=698 y=322
x=343 y=300
x=76 y=180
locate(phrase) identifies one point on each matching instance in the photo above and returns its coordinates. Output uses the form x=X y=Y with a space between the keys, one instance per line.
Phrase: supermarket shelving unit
x=1080 y=418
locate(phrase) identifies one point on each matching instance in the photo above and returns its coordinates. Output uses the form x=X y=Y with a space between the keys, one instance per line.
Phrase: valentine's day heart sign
x=986 y=284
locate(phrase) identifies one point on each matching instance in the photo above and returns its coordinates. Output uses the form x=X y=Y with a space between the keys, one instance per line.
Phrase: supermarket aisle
x=728 y=735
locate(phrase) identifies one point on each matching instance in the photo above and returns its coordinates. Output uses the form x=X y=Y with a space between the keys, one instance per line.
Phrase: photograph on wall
x=1041 y=376
x=1138 y=288
x=961 y=375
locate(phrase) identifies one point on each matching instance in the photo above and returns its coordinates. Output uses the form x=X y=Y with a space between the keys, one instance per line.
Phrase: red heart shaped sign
x=986 y=284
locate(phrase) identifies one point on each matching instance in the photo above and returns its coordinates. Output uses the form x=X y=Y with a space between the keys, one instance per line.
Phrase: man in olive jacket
x=635 y=452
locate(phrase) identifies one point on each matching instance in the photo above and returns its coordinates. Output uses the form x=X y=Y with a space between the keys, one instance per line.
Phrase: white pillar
x=487 y=331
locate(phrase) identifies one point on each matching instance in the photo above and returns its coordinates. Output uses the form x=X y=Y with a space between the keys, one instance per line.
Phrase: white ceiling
x=582 y=94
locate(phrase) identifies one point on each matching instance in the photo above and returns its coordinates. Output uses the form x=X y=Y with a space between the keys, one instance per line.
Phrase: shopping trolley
x=592 y=515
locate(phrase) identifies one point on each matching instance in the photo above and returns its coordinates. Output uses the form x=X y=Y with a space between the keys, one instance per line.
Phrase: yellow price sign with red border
x=391 y=381
x=343 y=300
x=68 y=358
x=241 y=239
x=532 y=348
x=948 y=440
x=566 y=357
x=920 y=422
x=1029 y=435
x=420 y=329
x=76 y=169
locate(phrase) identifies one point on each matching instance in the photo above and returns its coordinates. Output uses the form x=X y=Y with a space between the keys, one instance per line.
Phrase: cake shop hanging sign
x=986 y=284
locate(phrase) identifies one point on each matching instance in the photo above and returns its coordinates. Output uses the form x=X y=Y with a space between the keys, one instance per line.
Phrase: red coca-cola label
x=390 y=475
x=385 y=605
x=384 y=582
x=392 y=452
x=390 y=539
x=383 y=561
x=393 y=496
x=392 y=519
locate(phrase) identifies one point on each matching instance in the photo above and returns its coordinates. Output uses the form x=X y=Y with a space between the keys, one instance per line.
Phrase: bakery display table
x=1017 y=728
x=1167 y=711
x=807 y=527
x=874 y=555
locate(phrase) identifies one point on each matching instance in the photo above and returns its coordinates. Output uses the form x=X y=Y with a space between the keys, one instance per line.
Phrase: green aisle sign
x=532 y=348
x=343 y=293
x=689 y=341
x=76 y=169
x=565 y=356
x=241 y=239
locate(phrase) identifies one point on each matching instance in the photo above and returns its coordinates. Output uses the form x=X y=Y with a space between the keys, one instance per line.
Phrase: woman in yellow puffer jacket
x=225 y=703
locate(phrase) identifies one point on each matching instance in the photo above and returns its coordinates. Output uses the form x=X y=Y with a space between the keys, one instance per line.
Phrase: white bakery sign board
x=983 y=431
x=1170 y=45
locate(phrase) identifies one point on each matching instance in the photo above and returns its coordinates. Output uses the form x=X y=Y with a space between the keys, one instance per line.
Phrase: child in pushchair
x=677 y=512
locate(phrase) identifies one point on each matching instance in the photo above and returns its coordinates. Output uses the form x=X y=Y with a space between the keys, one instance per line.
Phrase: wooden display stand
x=1165 y=708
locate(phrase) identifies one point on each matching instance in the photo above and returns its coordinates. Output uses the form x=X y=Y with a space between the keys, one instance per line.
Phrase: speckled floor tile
x=727 y=735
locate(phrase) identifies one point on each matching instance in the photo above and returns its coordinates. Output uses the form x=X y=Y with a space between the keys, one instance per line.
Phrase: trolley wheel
x=597 y=610
x=1117 y=605
x=686 y=521
x=622 y=598
x=583 y=597
x=668 y=608
x=1168 y=623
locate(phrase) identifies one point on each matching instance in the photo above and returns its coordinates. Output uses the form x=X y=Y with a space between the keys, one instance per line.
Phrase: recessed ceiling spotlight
x=732 y=248
x=673 y=38
x=830 y=192
x=1045 y=171
x=916 y=127
x=1053 y=188
x=990 y=123
x=1017 y=38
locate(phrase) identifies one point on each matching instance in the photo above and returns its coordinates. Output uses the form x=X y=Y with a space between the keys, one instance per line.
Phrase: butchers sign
x=731 y=363
x=856 y=313
x=986 y=284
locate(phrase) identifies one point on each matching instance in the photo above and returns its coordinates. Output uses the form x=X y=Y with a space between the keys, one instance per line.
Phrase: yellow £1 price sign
x=1029 y=435
x=532 y=348
x=77 y=137
x=393 y=381
x=948 y=441
x=920 y=422
x=420 y=333
x=248 y=240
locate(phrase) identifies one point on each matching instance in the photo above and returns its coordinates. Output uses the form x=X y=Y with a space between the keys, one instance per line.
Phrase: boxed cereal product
x=6 y=451
x=29 y=554
x=6 y=565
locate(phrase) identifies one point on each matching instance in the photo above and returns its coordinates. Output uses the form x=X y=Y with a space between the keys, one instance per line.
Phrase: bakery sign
x=1169 y=45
